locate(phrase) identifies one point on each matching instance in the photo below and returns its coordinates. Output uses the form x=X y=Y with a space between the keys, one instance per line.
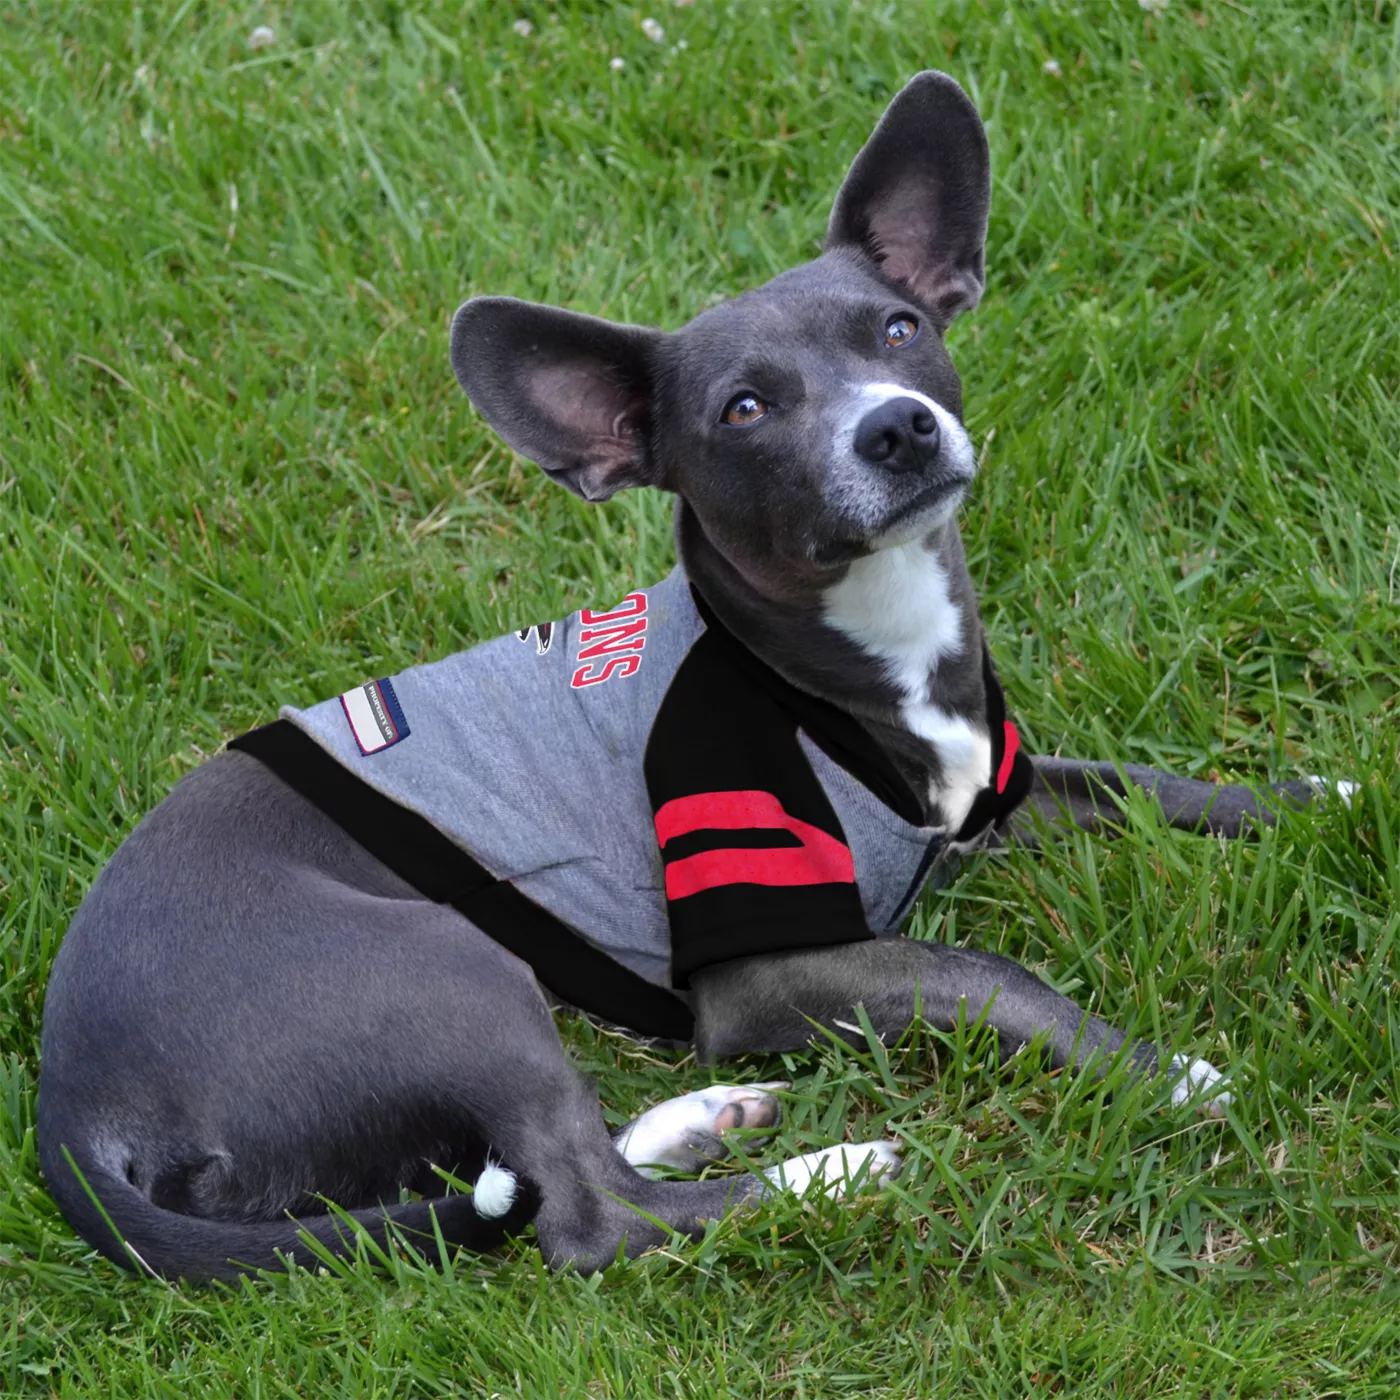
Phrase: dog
x=320 y=972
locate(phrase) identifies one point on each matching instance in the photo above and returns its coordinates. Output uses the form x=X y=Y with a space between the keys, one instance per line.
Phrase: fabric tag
x=375 y=716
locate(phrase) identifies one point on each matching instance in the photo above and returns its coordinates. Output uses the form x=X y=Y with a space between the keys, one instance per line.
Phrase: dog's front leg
x=1073 y=792
x=767 y=1003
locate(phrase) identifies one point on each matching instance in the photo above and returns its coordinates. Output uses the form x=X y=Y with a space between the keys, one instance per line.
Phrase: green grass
x=235 y=472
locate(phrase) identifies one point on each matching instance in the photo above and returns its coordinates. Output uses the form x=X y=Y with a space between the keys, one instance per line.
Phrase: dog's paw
x=841 y=1171
x=1199 y=1083
x=687 y=1133
x=1344 y=788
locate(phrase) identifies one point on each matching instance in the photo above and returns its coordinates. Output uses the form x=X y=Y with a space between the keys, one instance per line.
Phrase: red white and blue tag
x=375 y=716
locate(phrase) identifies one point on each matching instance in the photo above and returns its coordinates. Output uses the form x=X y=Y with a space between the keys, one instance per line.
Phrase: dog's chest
x=896 y=606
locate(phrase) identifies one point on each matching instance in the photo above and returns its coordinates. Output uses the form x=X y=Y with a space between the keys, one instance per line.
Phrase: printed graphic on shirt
x=611 y=643
x=376 y=719
x=543 y=634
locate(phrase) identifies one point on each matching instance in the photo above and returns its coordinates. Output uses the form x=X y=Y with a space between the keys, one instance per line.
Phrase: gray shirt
x=527 y=752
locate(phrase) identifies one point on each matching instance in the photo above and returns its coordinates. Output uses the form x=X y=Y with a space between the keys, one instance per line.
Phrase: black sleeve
x=754 y=855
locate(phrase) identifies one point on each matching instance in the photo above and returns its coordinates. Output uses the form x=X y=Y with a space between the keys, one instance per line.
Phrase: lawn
x=236 y=472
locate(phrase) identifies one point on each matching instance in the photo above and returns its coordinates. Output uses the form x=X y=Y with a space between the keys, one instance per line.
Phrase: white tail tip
x=494 y=1192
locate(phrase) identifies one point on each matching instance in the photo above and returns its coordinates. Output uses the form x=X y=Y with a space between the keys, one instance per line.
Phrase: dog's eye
x=900 y=331
x=744 y=408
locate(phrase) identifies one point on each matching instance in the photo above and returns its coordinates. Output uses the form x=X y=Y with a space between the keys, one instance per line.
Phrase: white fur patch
x=494 y=1192
x=841 y=1171
x=665 y=1136
x=895 y=605
x=955 y=443
x=1199 y=1081
x=1343 y=787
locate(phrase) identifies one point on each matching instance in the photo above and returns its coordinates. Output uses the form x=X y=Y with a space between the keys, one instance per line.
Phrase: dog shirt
x=627 y=796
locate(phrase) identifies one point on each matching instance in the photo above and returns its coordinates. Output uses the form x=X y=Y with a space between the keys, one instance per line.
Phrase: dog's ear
x=570 y=392
x=916 y=198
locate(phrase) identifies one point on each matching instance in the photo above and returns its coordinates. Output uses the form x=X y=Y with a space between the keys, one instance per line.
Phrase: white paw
x=687 y=1133
x=494 y=1192
x=1343 y=787
x=842 y=1171
x=1201 y=1083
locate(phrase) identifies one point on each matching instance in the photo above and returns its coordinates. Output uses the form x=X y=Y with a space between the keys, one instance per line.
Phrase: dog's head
x=805 y=423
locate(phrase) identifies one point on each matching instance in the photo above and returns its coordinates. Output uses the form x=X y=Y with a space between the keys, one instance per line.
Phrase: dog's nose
x=900 y=435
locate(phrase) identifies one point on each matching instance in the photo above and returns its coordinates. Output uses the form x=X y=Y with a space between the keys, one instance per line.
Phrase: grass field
x=235 y=472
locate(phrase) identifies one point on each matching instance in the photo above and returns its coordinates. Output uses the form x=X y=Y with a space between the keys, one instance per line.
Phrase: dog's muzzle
x=900 y=435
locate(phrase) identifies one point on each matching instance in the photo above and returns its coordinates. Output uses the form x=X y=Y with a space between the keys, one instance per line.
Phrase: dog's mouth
x=938 y=498
x=831 y=554
x=933 y=504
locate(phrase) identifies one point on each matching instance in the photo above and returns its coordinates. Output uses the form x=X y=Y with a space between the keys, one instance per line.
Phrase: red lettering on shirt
x=625 y=636
x=604 y=635
x=614 y=666
x=633 y=605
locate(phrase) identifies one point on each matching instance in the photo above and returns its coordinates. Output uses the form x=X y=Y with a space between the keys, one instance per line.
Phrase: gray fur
x=249 y=1016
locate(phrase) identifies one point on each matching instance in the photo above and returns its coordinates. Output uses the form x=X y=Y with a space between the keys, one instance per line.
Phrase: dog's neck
x=896 y=642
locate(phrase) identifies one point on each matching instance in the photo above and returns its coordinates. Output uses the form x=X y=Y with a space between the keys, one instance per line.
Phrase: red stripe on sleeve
x=1008 y=756
x=820 y=860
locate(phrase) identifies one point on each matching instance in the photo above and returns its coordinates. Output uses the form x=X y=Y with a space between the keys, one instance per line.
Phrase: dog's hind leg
x=688 y=1132
x=541 y=1118
x=318 y=1032
x=596 y=1205
x=1072 y=792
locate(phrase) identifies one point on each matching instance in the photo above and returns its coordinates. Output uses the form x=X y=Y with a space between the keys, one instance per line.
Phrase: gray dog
x=321 y=970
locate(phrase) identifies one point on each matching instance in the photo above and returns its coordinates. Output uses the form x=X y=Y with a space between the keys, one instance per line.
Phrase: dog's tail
x=118 y=1218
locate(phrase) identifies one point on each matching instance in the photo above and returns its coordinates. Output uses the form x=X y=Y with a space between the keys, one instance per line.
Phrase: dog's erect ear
x=916 y=199
x=570 y=392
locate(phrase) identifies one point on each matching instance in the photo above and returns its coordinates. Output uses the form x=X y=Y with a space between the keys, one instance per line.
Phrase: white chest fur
x=895 y=605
